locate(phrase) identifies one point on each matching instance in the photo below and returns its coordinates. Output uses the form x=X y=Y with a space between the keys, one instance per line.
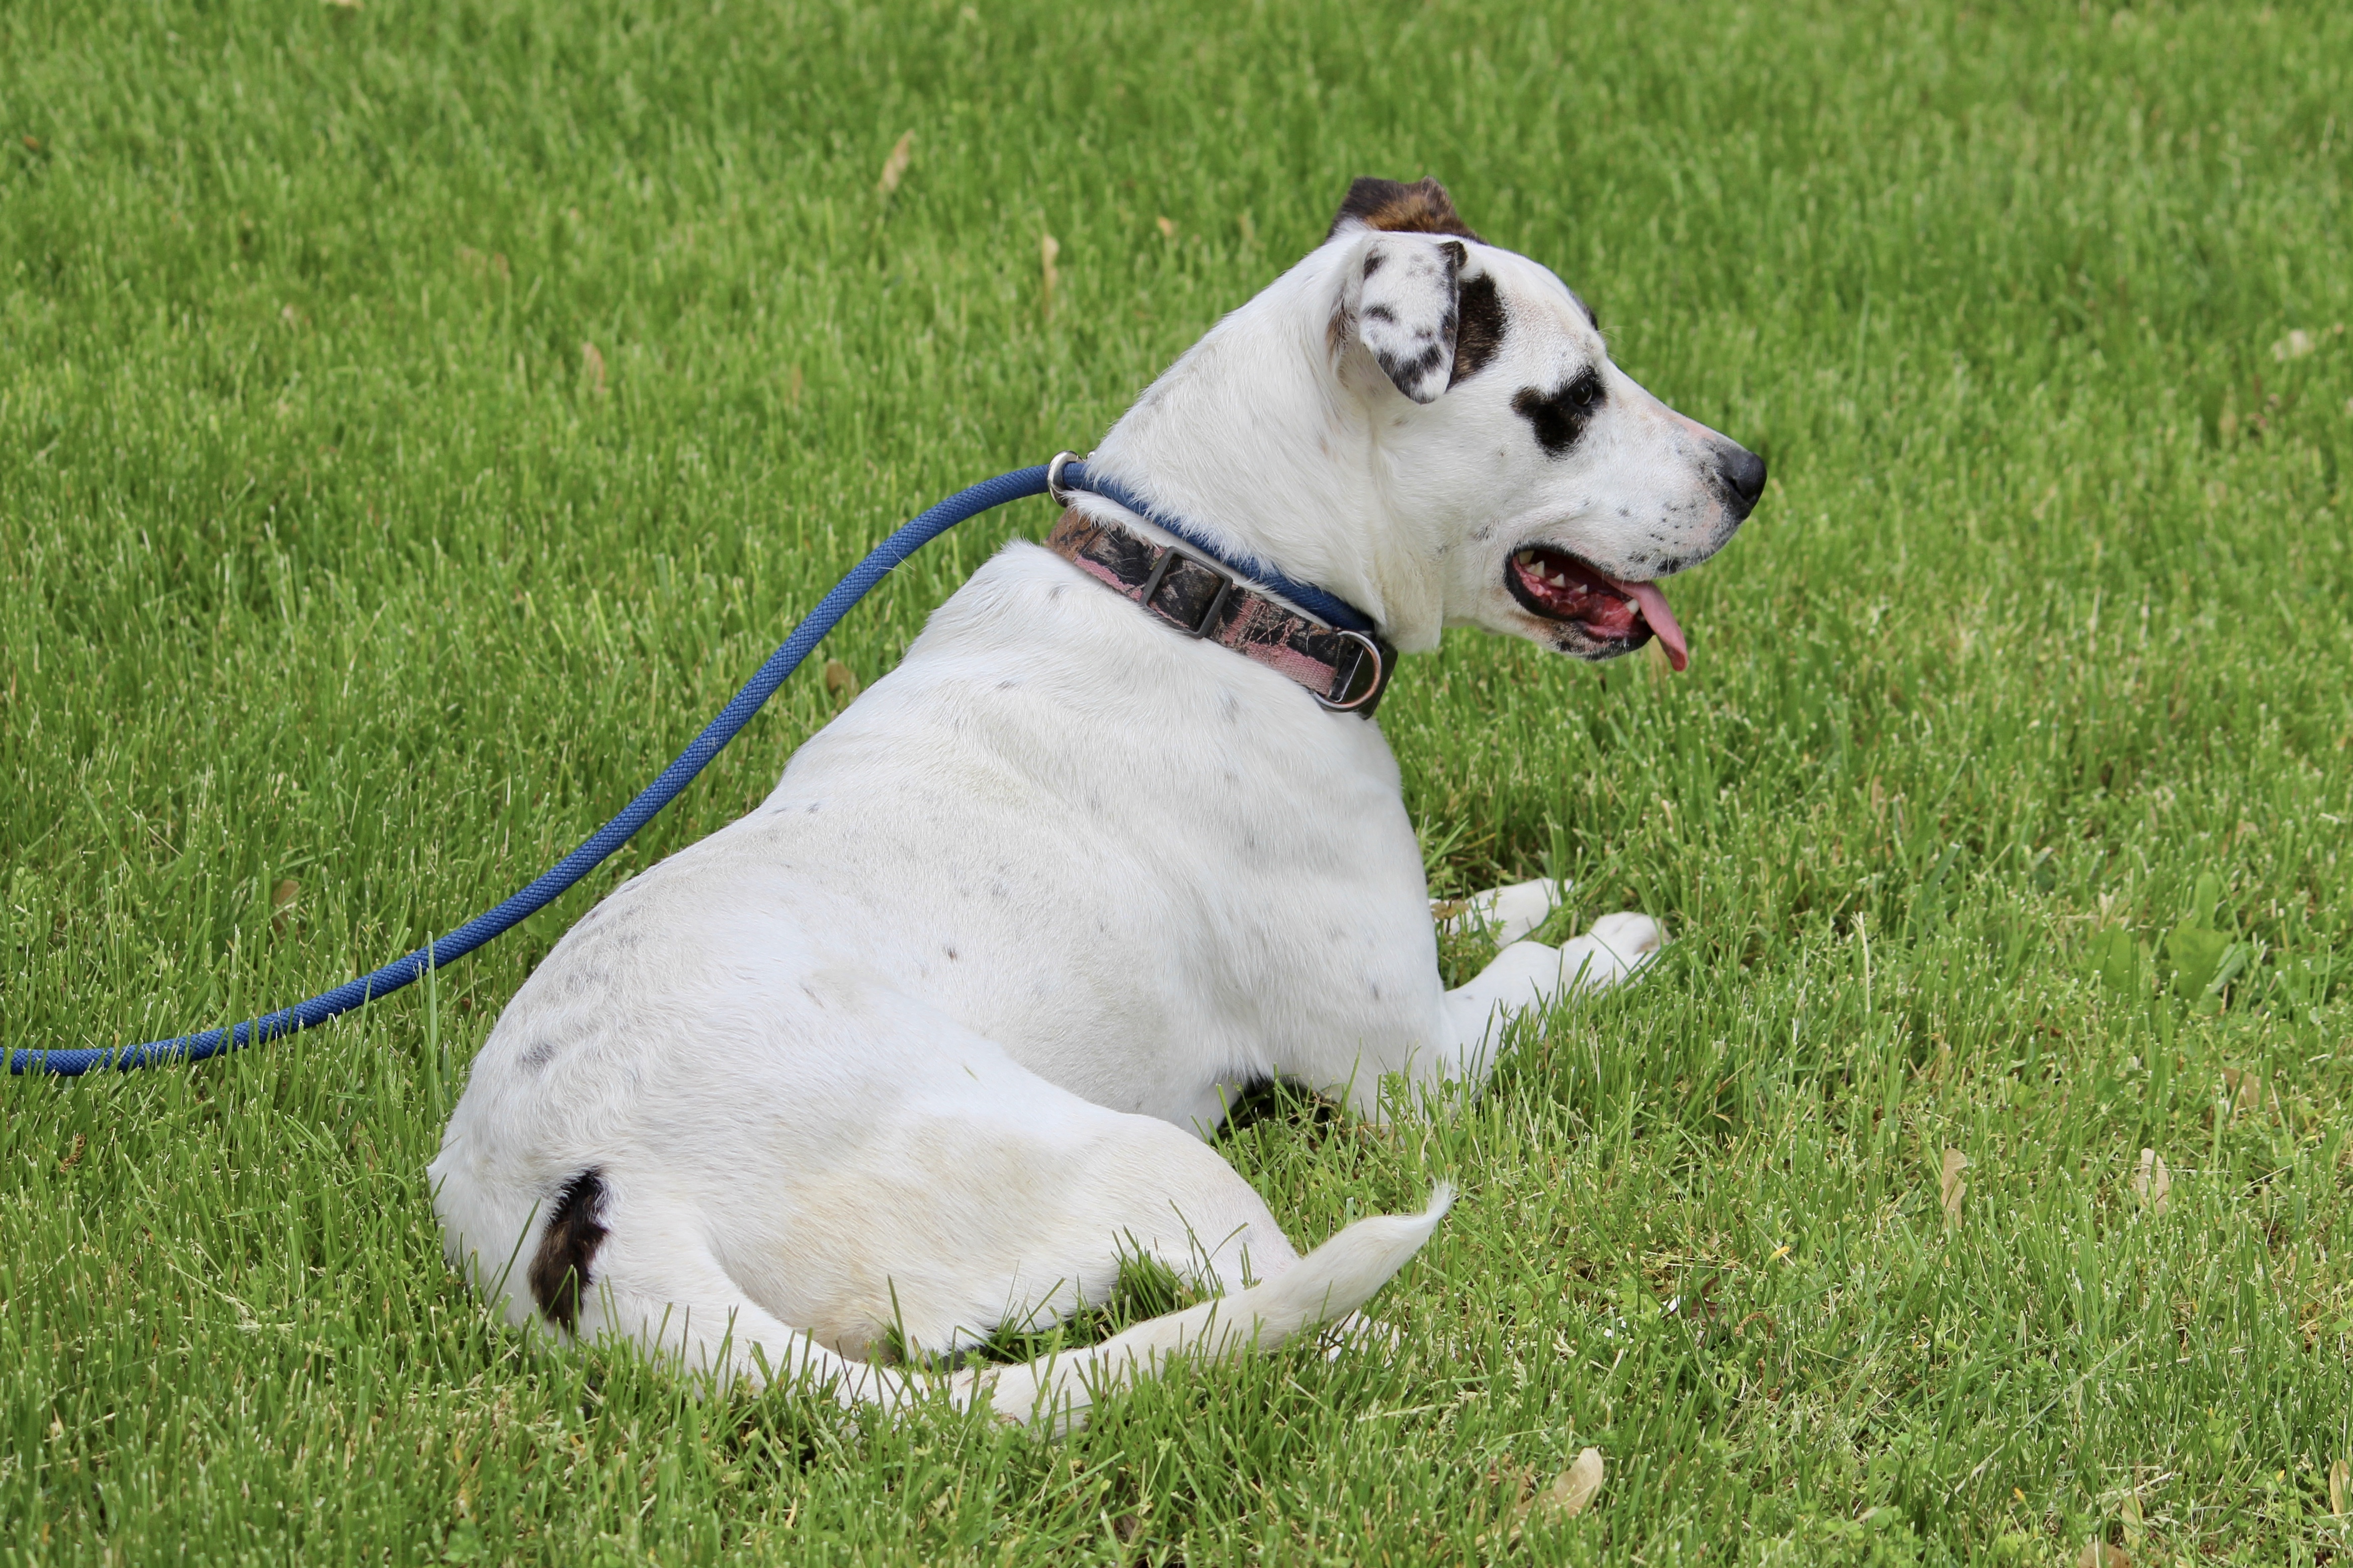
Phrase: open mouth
x=1615 y=614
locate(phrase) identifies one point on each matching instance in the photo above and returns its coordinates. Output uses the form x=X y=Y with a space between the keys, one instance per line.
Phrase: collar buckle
x=1347 y=695
x=1208 y=623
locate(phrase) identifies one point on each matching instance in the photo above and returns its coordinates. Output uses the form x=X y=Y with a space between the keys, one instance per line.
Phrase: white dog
x=932 y=1039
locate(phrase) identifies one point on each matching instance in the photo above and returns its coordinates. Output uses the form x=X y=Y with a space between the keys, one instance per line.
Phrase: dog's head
x=1567 y=488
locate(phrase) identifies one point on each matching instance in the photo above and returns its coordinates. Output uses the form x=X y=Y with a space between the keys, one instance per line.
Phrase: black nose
x=1743 y=475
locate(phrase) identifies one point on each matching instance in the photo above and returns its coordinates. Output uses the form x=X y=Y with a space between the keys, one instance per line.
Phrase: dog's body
x=932 y=1039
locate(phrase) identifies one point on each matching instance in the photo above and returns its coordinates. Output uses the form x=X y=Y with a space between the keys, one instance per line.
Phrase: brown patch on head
x=1422 y=208
x=1479 y=327
x=575 y=1229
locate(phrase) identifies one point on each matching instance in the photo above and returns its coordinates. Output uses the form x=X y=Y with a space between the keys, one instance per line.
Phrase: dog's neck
x=1254 y=438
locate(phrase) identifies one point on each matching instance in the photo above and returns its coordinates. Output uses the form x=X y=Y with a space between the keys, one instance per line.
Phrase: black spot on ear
x=1479 y=327
x=1422 y=208
x=1559 y=417
x=1373 y=262
x=1379 y=313
x=575 y=1229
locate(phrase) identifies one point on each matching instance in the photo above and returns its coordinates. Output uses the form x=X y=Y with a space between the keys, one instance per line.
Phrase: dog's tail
x=1324 y=1286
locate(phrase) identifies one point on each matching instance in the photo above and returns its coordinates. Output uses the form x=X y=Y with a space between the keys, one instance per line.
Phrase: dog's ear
x=1422 y=208
x=1405 y=297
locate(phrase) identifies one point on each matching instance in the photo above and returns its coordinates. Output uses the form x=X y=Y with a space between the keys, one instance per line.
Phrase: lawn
x=418 y=416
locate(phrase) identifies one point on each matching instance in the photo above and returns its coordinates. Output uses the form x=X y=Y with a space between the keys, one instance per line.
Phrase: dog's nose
x=1743 y=475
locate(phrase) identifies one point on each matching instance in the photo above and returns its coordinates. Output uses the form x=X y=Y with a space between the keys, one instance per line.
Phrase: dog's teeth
x=1524 y=558
x=1559 y=580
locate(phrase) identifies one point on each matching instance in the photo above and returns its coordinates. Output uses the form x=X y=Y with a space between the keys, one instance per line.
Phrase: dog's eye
x=1559 y=417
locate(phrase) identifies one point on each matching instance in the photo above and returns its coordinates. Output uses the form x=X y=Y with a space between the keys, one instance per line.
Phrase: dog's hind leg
x=1327 y=1287
x=659 y=1286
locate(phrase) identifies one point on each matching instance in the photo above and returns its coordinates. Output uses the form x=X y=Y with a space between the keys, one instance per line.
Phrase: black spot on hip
x=575 y=1229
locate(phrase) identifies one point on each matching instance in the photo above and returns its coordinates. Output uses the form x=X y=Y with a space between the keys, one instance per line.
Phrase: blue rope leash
x=407 y=970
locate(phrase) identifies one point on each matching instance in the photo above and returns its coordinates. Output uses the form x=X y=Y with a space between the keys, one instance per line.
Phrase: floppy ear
x=1404 y=296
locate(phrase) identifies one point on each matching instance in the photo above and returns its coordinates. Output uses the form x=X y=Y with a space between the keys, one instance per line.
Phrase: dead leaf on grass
x=1571 y=1494
x=2100 y=1554
x=2153 y=1183
x=281 y=902
x=1572 y=1490
x=1167 y=228
x=1049 y=250
x=840 y=680
x=1950 y=1188
x=2340 y=1481
x=592 y=365
x=895 y=167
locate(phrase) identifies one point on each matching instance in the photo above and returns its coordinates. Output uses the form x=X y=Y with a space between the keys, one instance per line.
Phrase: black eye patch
x=1559 y=417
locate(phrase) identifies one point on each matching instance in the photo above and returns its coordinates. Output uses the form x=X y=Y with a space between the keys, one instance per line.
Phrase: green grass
x=328 y=557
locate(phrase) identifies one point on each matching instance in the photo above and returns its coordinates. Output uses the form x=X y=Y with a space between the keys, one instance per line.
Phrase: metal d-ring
x=1054 y=478
x=1372 y=651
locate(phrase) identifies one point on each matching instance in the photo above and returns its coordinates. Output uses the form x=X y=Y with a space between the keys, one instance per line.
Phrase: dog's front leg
x=1503 y=915
x=1528 y=974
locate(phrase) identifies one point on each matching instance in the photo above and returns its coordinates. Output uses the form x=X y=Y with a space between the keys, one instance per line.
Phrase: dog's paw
x=1503 y=914
x=1631 y=936
x=1614 y=949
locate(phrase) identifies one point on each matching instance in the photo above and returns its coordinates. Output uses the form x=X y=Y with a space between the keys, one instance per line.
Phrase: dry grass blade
x=1950 y=1187
x=2340 y=1479
x=592 y=367
x=281 y=902
x=2153 y=1184
x=895 y=167
x=1048 y=249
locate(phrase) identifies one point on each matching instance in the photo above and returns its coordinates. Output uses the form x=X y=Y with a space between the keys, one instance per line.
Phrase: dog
x=932 y=1041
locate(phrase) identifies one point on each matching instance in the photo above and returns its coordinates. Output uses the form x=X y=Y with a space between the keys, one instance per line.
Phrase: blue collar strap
x=1068 y=472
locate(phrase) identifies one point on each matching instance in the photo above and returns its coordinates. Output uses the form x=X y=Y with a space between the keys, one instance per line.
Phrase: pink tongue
x=1653 y=605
